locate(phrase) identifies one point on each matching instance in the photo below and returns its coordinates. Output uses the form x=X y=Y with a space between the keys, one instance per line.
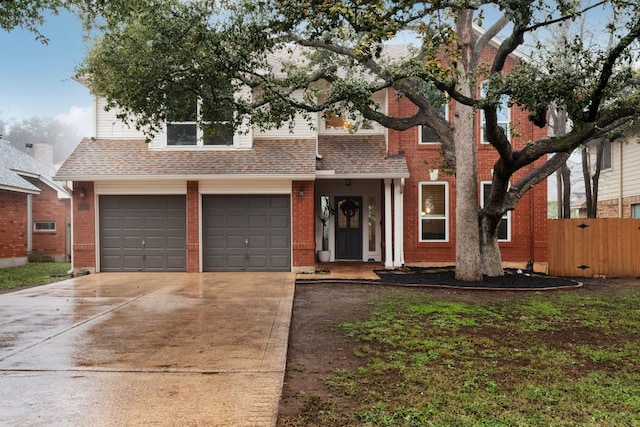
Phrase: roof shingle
x=14 y=163
x=355 y=155
x=104 y=159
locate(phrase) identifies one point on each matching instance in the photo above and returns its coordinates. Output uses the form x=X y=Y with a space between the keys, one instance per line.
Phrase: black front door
x=349 y=228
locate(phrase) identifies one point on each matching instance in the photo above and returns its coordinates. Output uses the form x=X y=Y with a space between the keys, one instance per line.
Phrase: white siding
x=141 y=187
x=610 y=179
x=630 y=162
x=110 y=127
x=301 y=129
x=249 y=186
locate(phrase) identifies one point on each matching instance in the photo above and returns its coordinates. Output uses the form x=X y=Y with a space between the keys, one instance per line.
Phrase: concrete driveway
x=146 y=349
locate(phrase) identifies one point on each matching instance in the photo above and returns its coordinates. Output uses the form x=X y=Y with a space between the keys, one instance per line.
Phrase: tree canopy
x=333 y=55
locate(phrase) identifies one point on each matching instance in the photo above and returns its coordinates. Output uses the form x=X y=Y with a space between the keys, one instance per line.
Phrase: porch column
x=388 y=233
x=398 y=247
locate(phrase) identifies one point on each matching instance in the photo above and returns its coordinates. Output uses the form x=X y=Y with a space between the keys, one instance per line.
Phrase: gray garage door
x=247 y=233
x=143 y=233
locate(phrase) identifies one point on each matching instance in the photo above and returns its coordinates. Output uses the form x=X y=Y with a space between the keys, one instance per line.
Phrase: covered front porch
x=359 y=201
x=360 y=222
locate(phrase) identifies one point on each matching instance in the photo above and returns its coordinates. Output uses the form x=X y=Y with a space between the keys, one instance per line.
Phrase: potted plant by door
x=324 y=255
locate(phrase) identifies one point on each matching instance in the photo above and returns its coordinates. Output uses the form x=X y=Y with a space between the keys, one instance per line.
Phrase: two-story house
x=251 y=200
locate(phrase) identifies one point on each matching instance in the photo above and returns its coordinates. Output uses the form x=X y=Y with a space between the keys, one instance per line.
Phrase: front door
x=348 y=228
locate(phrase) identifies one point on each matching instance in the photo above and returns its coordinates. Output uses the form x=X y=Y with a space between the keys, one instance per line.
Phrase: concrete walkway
x=146 y=349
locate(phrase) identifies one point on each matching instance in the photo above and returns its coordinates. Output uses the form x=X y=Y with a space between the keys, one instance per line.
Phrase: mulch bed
x=512 y=279
x=444 y=277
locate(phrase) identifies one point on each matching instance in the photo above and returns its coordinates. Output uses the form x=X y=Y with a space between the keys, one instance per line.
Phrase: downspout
x=318 y=155
x=29 y=223
x=620 y=185
x=532 y=240
x=66 y=186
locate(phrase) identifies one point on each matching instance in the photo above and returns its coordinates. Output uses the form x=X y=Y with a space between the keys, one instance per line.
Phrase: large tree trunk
x=489 y=248
x=591 y=181
x=468 y=266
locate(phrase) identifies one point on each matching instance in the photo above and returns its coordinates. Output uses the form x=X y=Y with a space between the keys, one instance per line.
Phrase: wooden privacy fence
x=594 y=247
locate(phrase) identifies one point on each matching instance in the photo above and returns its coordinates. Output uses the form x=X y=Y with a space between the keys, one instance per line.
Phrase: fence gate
x=596 y=246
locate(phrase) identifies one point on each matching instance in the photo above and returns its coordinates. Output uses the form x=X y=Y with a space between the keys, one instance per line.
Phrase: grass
x=33 y=273
x=548 y=359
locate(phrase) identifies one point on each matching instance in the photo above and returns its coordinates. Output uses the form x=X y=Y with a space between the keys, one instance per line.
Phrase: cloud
x=79 y=118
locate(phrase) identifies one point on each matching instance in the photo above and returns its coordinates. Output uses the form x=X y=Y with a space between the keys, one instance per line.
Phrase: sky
x=35 y=78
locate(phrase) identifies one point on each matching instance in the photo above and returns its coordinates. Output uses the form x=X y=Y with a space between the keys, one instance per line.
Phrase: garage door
x=143 y=233
x=247 y=233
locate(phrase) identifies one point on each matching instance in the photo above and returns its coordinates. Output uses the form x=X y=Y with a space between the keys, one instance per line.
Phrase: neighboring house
x=251 y=201
x=619 y=185
x=35 y=211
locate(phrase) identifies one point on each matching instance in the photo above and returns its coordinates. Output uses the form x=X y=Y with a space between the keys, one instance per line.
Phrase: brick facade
x=47 y=207
x=611 y=208
x=303 y=225
x=528 y=221
x=13 y=228
x=84 y=227
x=193 y=227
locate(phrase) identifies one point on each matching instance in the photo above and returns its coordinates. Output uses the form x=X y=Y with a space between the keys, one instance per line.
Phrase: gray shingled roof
x=355 y=156
x=359 y=157
x=104 y=159
x=14 y=164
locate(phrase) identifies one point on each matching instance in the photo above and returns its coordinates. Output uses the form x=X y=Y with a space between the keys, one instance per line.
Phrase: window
x=183 y=129
x=372 y=224
x=635 y=210
x=426 y=135
x=504 y=228
x=434 y=212
x=338 y=123
x=606 y=154
x=44 y=226
x=503 y=116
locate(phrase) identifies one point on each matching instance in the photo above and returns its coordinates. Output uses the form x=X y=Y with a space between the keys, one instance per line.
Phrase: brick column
x=84 y=226
x=303 y=226
x=193 y=227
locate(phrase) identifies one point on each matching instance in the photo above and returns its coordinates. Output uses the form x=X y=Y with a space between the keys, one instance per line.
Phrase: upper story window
x=504 y=228
x=503 y=112
x=183 y=128
x=351 y=121
x=606 y=154
x=592 y=152
x=426 y=135
x=336 y=123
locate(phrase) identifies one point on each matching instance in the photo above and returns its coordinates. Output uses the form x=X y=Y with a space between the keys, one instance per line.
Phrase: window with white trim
x=433 y=211
x=426 y=135
x=504 y=228
x=44 y=226
x=635 y=210
x=503 y=113
x=183 y=128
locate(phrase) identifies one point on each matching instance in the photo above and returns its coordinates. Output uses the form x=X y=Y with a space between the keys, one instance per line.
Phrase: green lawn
x=552 y=359
x=33 y=273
